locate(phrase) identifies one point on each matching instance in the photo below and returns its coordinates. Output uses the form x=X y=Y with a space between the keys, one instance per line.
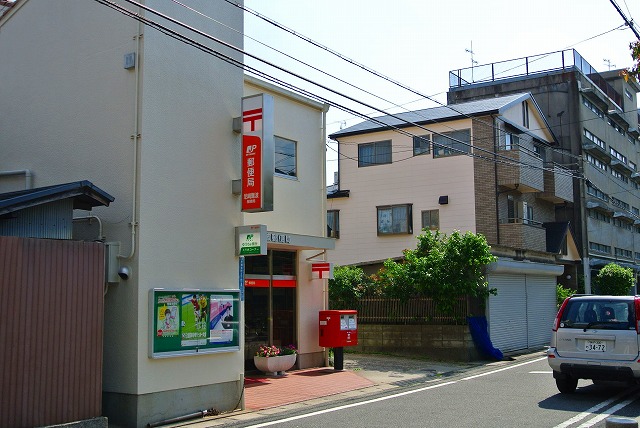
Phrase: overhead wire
x=503 y=159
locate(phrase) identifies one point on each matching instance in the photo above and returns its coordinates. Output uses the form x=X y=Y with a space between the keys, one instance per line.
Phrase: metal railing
x=531 y=65
x=419 y=311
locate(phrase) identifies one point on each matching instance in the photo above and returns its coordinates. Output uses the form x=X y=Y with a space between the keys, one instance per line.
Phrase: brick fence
x=444 y=342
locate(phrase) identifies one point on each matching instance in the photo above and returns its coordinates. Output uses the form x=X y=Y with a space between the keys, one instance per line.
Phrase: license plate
x=595 y=346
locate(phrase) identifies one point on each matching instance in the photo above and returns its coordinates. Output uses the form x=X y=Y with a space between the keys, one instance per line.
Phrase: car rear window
x=603 y=314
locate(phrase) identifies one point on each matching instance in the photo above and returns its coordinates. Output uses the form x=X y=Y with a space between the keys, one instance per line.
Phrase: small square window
x=421 y=144
x=395 y=220
x=377 y=153
x=431 y=219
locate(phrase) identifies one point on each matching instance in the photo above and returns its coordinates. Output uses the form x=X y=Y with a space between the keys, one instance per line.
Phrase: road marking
x=591 y=410
x=388 y=397
x=503 y=369
x=347 y=406
x=609 y=412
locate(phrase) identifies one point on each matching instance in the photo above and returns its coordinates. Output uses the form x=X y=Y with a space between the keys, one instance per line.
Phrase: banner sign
x=258 y=153
x=251 y=240
x=321 y=270
x=191 y=322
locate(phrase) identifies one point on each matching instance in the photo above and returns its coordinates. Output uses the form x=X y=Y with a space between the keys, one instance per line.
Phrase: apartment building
x=595 y=118
x=483 y=166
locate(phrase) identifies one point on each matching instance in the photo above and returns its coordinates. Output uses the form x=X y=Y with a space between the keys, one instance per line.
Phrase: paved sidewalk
x=363 y=375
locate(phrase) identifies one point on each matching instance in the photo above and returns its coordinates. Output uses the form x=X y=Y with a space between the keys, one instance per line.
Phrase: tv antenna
x=473 y=61
x=608 y=62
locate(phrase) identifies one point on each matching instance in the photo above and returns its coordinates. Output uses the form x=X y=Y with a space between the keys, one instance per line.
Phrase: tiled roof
x=432 y=115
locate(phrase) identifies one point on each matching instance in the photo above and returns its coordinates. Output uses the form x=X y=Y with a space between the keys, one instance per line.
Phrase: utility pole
x=626 y=21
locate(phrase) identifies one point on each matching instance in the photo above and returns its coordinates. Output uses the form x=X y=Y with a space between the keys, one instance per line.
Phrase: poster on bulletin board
x=192 y=322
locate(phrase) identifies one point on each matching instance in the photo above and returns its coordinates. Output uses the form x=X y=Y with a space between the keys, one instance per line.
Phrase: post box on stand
x=338 y=328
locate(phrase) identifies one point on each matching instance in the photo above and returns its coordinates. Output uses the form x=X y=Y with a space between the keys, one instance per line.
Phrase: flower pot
x=274 y=365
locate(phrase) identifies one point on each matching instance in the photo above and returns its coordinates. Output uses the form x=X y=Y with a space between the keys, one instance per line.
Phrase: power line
x=628 y=22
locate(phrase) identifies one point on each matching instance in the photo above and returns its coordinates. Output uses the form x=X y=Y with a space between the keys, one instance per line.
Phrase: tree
x=614 y=279
x=442 y=267
x=634 y=71
x=347 y=286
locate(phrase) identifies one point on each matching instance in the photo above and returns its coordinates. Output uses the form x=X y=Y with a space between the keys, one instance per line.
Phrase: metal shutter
x=507 y=314
x=541 y=308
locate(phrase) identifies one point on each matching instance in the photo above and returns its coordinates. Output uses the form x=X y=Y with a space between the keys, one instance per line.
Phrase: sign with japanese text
x=251 y=240
x=191 y=322
x=258 y=153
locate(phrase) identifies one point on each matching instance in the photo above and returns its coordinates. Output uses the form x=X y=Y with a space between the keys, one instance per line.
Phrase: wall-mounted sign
x=258 y=153
x=321 y=270
x=191 y=322
x=251 y=240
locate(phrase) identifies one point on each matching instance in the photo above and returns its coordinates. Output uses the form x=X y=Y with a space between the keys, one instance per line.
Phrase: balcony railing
x=524 y=173
x=529 y=66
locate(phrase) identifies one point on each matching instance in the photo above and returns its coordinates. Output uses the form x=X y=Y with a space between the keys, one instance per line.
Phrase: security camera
x=123 y=272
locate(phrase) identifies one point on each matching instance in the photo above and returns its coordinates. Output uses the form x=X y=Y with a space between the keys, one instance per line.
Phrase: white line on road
x=592 y=410
x=609 y=412
x=387 y=397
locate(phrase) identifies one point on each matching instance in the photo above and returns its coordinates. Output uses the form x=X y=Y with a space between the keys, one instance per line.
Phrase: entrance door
x=270 y=301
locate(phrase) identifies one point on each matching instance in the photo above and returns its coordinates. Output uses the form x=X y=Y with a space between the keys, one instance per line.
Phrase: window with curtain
x=376 y=153
x=395 y=219
x=452 y=143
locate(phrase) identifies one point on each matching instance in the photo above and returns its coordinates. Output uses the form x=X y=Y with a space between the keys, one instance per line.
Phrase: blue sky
x=417 y=43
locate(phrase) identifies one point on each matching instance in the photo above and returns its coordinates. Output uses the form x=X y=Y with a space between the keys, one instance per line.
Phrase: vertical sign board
x=258 y=153
x=192 y=322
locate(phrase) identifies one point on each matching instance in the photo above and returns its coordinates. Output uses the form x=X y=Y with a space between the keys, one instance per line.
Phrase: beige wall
x=69 y=114
x=299 y=203
x=419 y=180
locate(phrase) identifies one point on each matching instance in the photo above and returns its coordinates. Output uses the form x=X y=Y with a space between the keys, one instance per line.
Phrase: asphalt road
x=518 y=394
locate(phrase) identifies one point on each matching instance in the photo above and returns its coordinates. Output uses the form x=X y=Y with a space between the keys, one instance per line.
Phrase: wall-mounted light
x=443 y=200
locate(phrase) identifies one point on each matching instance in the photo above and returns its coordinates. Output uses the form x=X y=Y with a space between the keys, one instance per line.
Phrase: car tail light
x=636 y=300
x=556 y=323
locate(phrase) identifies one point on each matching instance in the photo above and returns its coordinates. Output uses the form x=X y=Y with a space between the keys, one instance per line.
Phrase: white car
x=595 y=337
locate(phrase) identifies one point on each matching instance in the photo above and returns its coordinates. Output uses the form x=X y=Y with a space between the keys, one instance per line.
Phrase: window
x=594 y=139
x=619 y=203
x=421 y=144
x=632 y=165
x=628 y=94
x=333 y=224
x=519 y=211
x=621 y=252
x=596 y=162
x=451 y=143
x=592 y=107
x=525 y=114
x=615 y=126
x=594 y=191
x=431 y=219
x=600 y=248
x=377 y=153
x=619 y=176
x=511 y=141
x=616 y=154
x=285 y=158
x=395 y=219
x=598 y=215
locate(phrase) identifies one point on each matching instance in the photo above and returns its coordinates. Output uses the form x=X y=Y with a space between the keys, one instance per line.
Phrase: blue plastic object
x=480 y=335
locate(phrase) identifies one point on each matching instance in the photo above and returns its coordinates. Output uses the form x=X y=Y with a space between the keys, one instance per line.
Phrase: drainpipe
x=92 y=217
x=27 y=175
x=135 y=138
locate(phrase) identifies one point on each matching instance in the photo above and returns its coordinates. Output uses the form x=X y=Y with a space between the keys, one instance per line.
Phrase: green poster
x=189 y=322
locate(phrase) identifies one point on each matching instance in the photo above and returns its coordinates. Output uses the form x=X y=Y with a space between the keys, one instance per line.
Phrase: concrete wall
x=447 y=342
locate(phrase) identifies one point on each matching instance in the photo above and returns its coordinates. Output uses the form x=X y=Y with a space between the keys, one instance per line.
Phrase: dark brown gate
x=51 y=326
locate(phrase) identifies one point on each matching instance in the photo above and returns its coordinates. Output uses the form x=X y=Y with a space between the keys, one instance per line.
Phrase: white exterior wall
x=418 y=180
x=69 y=114
x=299 y=203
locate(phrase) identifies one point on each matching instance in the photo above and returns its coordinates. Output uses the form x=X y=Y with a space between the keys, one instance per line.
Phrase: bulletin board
x=192 y=322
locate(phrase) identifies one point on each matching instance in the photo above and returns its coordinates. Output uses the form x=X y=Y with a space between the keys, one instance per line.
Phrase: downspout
x=496 y=146
x=27 y=175
x=324 y=217
x=135 y=138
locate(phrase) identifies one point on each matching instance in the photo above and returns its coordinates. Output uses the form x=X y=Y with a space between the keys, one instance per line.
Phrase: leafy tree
x=442 y=267
x=634 y=71
x=614 y=279
x=562 y=293
x=347 y=286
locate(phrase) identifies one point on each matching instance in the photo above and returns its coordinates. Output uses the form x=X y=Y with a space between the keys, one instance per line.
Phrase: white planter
x=274 y=365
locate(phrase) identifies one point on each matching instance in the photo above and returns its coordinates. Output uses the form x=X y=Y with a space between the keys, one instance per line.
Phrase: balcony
x=621 y=166
x=558 y=184
x=520 y=169
x=618 y=116
x=597 y=204
x=595 y=149
x=523 y=235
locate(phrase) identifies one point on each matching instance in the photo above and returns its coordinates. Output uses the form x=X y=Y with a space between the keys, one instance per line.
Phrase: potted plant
x=275 y=360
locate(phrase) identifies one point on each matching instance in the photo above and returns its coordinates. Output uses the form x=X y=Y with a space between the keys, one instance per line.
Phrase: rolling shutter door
x=508 y=312
x=541 y=308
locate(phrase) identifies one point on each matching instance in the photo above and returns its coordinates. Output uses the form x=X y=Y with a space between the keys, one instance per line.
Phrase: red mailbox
x=338 y=328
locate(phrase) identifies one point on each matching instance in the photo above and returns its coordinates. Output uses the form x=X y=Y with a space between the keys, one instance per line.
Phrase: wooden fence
x=414 y=311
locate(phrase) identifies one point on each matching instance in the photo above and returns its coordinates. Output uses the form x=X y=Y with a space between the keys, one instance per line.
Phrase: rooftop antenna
x=473 y=61
x=608 y=62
